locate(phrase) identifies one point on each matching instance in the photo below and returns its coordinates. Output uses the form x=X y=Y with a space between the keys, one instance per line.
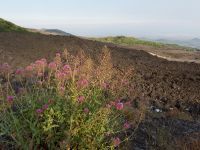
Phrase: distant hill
x=50 y=32
x=161 y=43
x=127 y=41
x=56 y=32
x=6 y=26
x=194 y=43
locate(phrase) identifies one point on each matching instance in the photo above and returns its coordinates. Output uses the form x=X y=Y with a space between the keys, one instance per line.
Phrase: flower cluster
x=81 y=110
x=5 y=69
x=39 y=111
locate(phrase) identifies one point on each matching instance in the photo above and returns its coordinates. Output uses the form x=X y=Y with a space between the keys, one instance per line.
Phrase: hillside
x=131 y=41
x=6 y=26
x=168 y=89
x=127 y=41
x=50 y=32
x=56 y=32
x=195 y=42
x=26 y=48
x=171 y=52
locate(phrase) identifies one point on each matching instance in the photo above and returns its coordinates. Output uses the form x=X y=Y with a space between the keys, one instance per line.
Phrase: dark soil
x=161 y=133
x=163 y=84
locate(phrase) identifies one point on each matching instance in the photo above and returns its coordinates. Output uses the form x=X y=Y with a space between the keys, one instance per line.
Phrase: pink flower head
x=52 y=66
x=6 y=68
x=119 y=106
x=44 y=60
x=60 y=75
x=81 y=99
x=19 y=71
x=40 y=64
x=29 y=68
x=39 y=111
x=83 y=83
x=127 y=125
x=116 y=141
x=45 y=106
x=86 y=110
x=10 y=99
x=66 y=68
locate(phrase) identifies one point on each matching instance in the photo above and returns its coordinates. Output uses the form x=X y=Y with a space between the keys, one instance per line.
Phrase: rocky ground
x=170 y=88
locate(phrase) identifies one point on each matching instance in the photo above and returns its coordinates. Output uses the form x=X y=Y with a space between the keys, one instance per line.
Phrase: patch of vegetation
x=6 y=26
x=127 y=41
x=66 y=104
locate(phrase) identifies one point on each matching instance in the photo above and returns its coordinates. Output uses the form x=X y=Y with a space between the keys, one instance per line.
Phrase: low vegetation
x=6 y=26
x=127 y=41
x=66 y=104
x=131 y=41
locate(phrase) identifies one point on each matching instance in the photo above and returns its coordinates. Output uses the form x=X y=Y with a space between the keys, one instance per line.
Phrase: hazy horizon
x=155 y=19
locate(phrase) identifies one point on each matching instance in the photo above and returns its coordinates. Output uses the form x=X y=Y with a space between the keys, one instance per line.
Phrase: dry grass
x=186 y=143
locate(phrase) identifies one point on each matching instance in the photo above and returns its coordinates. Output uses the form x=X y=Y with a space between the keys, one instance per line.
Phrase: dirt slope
x=165 y=84
x=157 y=78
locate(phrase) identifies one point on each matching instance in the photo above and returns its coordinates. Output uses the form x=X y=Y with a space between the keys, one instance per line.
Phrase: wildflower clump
x=62 y=107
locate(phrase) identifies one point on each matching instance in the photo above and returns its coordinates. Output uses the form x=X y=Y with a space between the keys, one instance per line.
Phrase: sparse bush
x=65 y=104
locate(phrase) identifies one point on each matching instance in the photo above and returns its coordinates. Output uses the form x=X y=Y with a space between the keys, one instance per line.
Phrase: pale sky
x=141 y=18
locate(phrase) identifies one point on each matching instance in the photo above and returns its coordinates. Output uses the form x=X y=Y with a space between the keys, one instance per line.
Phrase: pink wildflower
x=127 y=125
x=19 y=71
x=10 y=99
x=52 y=66
x=86 y=110
x=119 y=106
x=6 y=68
x=41 y=63
x=66 y=69
x=45 y=106
x=39 y=111
x=83 y=83
x=81 y=99
x=29 y=68
x=60 y=75
x=44 y=60
x=116 y=141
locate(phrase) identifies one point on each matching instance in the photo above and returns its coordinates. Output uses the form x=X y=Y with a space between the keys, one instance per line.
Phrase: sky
x=140 y=18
